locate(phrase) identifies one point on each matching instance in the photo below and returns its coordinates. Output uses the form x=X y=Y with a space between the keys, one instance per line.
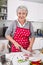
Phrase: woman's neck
x=22 y=22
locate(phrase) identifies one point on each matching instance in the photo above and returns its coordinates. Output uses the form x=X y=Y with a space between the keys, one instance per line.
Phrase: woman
x=20 y=33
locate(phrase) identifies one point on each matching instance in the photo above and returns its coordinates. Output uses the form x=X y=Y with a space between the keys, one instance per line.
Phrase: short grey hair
x=23 y=8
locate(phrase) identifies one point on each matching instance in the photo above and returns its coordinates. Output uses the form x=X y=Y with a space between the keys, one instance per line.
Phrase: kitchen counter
x=20 y=55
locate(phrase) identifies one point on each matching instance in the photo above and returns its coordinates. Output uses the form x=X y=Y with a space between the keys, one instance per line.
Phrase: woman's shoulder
x=28 y=22
x=14 y=22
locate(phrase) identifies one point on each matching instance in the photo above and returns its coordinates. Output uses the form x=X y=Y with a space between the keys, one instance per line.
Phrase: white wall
x=37 y=25
x=35 y=10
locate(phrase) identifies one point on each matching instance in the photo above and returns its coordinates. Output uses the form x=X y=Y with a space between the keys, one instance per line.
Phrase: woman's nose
x=21 y=15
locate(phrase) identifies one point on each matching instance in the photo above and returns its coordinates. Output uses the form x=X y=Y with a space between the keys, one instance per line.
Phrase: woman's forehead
x=23 y=10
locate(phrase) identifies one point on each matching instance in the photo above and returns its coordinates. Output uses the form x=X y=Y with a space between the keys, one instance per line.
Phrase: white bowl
x=34 y=58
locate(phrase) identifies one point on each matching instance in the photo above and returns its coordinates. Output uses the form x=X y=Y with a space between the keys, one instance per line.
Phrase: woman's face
x=21 y=14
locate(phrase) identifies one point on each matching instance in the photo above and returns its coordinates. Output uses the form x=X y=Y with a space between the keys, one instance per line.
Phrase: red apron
x=21 y=36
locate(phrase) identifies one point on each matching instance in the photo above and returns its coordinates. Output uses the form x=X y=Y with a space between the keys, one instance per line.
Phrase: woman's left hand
x=29 y=49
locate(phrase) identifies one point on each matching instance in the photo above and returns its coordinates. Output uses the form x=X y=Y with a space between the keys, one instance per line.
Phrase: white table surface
x=13 y=57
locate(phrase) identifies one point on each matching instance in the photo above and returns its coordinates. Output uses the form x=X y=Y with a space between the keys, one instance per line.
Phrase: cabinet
x=3 y=12
x=4 y=30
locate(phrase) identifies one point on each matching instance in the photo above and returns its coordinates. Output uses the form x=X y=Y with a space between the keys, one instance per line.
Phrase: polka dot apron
x=21 y=36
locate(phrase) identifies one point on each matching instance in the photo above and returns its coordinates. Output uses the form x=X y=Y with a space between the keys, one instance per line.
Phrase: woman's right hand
x=13 y=41
x=17 y=45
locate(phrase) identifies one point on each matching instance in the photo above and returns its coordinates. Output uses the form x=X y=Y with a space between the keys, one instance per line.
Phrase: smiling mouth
x=21 y=17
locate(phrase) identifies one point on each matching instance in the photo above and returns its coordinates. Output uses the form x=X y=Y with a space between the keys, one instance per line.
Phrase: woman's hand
x=13 y=41
x=31 y=44
x=29 y=49
x=17 y=45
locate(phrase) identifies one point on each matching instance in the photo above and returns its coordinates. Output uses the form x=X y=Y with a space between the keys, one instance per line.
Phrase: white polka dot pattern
x=22 y=36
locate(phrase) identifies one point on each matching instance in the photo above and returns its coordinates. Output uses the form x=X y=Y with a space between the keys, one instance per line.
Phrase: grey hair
x=23 y=8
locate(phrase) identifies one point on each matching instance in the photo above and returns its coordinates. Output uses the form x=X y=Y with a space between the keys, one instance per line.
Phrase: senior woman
x=20 y=33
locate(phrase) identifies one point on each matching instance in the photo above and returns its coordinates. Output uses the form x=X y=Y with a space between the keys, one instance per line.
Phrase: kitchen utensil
x=25 y=51
x=3 y=59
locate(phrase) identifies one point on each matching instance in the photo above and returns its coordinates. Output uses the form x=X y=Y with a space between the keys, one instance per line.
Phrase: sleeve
x=11 y=29
x=31 y=30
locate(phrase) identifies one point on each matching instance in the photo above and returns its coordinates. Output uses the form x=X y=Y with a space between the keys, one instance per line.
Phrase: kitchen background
x=37 y=26
x=8 y=15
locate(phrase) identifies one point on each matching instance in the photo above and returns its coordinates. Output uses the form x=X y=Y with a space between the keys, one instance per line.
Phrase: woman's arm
x=32 y=37
x=10 y=33
x=31 y=44
x=32 y=41
x=13 y=41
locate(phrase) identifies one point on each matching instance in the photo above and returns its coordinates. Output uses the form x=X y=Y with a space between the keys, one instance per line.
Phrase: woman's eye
x=23 y=13
x=19 y=13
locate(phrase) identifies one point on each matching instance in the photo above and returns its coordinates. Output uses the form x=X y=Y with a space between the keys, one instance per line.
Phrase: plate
x=34 y=59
